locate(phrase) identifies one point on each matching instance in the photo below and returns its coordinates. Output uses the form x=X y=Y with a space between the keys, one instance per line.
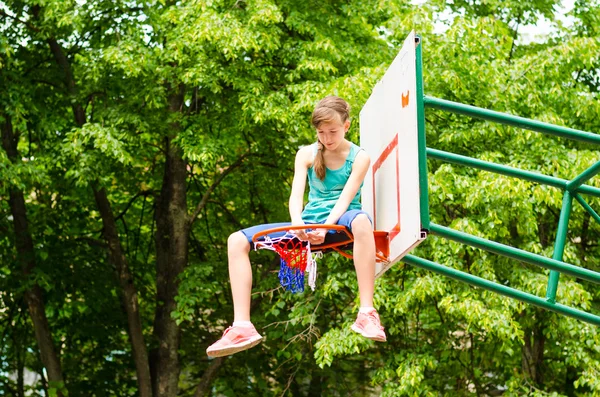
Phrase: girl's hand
x=300 y=233
x=317 y=236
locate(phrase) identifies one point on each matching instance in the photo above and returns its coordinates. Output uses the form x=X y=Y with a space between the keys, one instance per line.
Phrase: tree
x=189 y=89
x=149 y=131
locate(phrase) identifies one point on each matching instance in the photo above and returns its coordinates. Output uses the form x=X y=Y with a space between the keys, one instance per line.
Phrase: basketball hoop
x=298 y=256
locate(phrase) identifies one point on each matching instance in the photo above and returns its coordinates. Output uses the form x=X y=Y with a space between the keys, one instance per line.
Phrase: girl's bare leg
x=243 y=335
x=364 y=258
x=240 y=275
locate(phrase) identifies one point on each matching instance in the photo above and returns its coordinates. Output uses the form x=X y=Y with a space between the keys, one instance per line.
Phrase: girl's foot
x=369 y=326
x=234 y=339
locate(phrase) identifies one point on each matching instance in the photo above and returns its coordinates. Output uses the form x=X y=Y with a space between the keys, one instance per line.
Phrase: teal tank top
x=324 y=194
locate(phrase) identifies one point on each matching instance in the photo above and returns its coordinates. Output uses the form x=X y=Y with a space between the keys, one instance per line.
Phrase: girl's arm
x=296 y=202
x=359 y=170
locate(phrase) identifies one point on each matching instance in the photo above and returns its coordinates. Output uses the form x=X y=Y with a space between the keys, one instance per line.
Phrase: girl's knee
x=238 y=242
x=361 y=225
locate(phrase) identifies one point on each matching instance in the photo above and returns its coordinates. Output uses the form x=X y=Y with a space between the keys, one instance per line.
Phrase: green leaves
x=91 y=146
x=106 y=140
x=338 y=343
x=21 y=175
x=225 y=79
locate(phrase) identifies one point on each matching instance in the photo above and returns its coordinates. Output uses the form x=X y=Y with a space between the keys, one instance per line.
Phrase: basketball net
x=295 y=259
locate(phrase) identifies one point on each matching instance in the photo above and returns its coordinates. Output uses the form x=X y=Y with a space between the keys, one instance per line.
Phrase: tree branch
x=144 y=193
x=14 y=18
x=209 y=375
x=227 y=212
x=46 y=82
x=437 y=309
x=92 y=241
x=214 y=185
x=515 y=36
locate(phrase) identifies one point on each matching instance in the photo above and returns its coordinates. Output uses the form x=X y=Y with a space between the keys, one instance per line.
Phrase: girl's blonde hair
x=329 y=109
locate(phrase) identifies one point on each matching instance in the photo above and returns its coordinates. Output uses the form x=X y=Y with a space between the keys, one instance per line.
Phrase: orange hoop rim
x=316 y=248
x=319 y=247
x=277 y=229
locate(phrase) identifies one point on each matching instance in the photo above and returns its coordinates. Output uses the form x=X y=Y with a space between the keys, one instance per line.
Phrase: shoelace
x=374 y=318
x=227 y=330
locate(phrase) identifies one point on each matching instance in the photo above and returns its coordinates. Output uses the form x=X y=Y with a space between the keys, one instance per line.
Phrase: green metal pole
x=587 y=207
x=509 y=171
x=514 y=253
x=510 y=119
x=559 y=245
x=497 y=168
x=422 y=147
x=501 y=289
x=584 y=176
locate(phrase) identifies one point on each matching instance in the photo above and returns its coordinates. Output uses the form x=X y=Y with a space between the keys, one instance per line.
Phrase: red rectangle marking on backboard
x=376 y=166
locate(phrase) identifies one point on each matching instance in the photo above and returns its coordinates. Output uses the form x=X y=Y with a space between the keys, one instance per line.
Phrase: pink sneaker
x=369 y=326
x=234 y=339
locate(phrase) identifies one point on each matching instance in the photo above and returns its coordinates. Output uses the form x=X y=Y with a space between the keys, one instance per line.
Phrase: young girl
x=335 y=168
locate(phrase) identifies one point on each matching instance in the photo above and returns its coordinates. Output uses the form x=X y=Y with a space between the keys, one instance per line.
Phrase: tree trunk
x=26 y=258
x=128 y=291
x=128 y=294
x=69 y=80
x=171 y=258
x=172 y=237
x=533 y=354
x=315 y=387
x=20 y=353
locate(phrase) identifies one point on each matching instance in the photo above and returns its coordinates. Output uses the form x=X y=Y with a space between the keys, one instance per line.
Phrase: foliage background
x=136 y=102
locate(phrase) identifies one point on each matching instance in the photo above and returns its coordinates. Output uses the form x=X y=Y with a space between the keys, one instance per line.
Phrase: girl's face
x=332 y=134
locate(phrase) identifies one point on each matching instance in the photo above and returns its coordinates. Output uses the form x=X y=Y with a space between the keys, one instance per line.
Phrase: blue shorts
x=345 y=220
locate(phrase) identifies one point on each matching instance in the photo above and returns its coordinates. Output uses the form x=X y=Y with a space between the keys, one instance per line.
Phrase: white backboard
x=388 y=132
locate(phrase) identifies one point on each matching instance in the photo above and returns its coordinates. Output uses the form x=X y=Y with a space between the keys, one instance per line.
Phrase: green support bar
x=422 y=147
x=514 y=253
x=559 y=245
x=512 y=120
x=583 y=177
x=509 y=171
x=572 y=189
x=501 y=289
x=587 y=208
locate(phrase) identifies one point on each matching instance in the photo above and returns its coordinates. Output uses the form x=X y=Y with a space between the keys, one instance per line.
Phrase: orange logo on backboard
x=405 y=99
